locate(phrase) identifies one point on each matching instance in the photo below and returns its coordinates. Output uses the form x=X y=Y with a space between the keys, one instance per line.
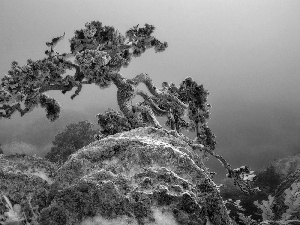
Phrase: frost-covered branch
x=145 y=79
x=99 y=52
x=242 y=176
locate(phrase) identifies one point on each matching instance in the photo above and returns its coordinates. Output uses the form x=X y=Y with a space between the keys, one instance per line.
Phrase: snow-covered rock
x=143 y=176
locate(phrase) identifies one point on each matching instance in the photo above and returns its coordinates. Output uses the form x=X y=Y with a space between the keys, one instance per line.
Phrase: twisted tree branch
x=152 y=104
x=236 y=174
x=145 y=79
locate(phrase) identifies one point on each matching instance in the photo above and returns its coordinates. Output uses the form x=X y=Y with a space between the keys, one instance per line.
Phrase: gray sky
x=246 y=53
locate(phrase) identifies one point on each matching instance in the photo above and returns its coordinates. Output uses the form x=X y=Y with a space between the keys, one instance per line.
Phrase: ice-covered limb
x=145 y=79
x=152 y=104
x=239 y=175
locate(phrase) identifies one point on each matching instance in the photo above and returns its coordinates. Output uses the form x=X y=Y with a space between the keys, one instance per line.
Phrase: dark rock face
x=279 y=207
x=141 y=176
x=273 y=180
x=268 y=180
x=290 y=168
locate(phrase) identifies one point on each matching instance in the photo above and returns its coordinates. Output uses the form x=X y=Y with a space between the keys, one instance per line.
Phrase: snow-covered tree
x=97 y=54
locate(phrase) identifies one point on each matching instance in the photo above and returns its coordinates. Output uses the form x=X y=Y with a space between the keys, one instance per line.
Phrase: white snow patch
x=161 y=216
x=112 y=161
x=99 y=220
x=40 y=174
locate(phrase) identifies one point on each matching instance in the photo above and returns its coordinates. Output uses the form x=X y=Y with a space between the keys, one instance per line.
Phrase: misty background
x=245 y=53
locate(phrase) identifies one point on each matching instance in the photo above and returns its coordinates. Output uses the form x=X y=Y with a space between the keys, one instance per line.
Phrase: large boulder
x=143 y=176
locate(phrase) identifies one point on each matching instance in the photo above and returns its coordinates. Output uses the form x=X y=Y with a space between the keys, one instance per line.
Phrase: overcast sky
x=246 y=53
